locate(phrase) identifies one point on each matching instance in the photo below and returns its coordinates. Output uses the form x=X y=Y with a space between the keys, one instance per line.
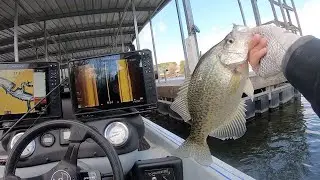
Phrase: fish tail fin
x=199 y=152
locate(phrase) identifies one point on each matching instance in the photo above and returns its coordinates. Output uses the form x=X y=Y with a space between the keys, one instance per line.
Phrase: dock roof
x=82 y=27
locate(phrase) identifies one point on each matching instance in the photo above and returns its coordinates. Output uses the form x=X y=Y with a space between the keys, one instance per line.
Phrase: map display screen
x=21 y=89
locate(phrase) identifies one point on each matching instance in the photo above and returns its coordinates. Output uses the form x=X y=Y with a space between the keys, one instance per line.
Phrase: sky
x=215 y=19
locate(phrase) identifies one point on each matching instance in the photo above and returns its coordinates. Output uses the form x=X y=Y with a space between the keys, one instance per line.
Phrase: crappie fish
x=211 y=97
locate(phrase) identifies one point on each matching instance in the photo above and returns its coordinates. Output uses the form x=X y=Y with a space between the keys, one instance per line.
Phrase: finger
x=261 y=53
x=254 y=53
x=254 y=41
x=256 y=56
x=262 y=44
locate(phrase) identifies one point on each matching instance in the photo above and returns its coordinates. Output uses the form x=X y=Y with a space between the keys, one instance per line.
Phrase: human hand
x=257 y=50
x=268 y=48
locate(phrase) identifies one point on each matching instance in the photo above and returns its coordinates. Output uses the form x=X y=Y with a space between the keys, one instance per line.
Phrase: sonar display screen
x=21 y=90
x=108 y=82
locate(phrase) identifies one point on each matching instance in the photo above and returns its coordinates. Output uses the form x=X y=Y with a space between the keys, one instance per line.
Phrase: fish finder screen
x=109 y=82
x=21 y=90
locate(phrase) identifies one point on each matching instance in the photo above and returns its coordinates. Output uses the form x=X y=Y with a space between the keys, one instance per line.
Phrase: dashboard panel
x=51 y=146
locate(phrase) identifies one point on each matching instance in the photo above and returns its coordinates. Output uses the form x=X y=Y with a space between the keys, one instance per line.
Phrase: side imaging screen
x=112 y=82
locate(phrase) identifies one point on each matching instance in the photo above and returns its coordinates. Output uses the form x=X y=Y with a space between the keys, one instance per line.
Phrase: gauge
x=47 y=140
x=117 y=133
x=28 y=150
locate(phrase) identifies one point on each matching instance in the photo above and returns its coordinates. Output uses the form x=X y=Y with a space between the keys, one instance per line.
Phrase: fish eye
x=230 y=41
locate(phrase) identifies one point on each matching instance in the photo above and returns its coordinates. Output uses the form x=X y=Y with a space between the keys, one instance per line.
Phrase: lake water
x=281 y=144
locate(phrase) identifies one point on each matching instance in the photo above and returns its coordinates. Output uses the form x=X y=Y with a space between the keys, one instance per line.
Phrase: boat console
x=105 y=140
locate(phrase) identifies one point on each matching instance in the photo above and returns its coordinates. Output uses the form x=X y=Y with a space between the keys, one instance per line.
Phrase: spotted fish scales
x=211 y=98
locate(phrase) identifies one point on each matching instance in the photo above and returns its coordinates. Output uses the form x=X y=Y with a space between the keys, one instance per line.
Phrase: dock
x=269 y=94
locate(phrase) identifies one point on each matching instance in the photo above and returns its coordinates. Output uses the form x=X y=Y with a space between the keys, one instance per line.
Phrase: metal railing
x=285 y=12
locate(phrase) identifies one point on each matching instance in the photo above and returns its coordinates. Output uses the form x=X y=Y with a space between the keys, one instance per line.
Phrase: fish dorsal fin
x=180 y=104
x=235 y=128
x=248 y=89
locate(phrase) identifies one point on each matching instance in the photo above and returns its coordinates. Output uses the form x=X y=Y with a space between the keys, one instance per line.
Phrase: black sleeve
x=302 y=69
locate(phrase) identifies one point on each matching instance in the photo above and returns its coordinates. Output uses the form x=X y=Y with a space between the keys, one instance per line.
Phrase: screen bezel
x=55 y=108
x=149 y=83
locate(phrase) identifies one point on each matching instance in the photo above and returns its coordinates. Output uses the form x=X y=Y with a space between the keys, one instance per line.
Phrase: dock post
x=122 y=44
x=45 y=41
x=60 y=56
x=165 y=75
x=242 y=14
x=274 y=12
x=268 y=89
x=115 y=44
x=256 y=12
x=15 y=34
x=297 y=18
x=186 y=67
x=121 y=34
x=192 y=29
x=154 y=49
x=283 y=15
x=135 y=24
x=192 y=42
x=37 y=53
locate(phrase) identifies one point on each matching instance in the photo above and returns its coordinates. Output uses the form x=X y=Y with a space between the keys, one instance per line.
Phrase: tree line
x=171 y=68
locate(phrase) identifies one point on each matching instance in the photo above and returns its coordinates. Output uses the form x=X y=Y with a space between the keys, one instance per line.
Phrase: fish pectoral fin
x=199 y=152
x=180 y=104
x=235 y=128
x=248 y=89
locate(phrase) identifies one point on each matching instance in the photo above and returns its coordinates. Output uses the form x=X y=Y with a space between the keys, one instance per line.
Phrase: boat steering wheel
x=68 y=165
